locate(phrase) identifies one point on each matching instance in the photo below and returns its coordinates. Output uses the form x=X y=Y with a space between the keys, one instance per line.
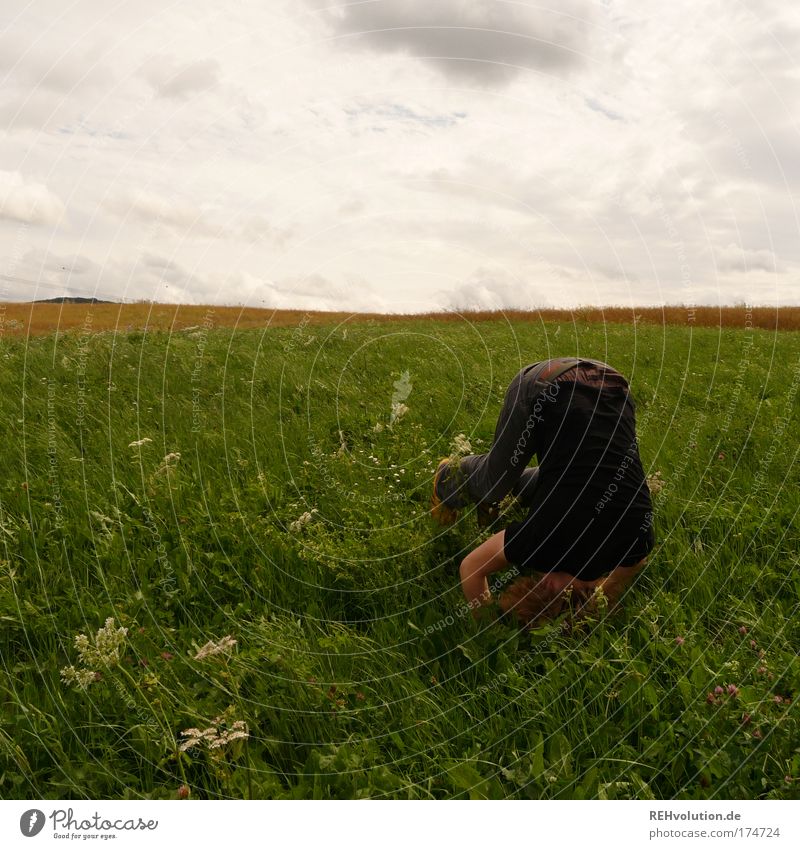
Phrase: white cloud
x=27 y=201
x=190 y=221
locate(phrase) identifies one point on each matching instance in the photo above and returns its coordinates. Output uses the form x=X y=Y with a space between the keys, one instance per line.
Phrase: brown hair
x=533 y=601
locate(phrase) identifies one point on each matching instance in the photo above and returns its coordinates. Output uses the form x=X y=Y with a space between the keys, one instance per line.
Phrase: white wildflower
x=220 y=733
x=656 y=483
x=79 y=677
x=139 y=442
x=378 y=427
x=194 y=737
x=104 y=521
x=398 y=411
x=461 y=446
x=303 y=520
x=103 y=651
x=237 y=731
x=211 y=648
x=169 y=463
x=107 y=643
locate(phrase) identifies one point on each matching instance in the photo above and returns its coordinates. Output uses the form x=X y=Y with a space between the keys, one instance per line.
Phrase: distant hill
x=67 y=300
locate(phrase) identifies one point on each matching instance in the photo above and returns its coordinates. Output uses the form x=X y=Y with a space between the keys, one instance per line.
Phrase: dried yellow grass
x=22 y=319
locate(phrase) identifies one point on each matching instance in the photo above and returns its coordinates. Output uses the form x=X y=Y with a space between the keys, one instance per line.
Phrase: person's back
x=589 y=523
x=591 y=507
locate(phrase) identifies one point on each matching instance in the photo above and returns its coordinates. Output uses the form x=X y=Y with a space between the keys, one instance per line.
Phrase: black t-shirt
x=591 y=510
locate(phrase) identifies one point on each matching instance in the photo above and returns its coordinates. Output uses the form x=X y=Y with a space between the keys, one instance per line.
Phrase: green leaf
x=467 y=778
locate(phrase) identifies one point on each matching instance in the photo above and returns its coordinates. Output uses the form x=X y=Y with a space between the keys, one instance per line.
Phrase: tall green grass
x=355 y=669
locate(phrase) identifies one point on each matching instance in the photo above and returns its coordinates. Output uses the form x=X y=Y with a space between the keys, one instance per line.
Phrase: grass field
x=355 y=671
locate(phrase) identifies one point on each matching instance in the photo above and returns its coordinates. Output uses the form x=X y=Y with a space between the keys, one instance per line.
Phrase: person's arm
x=487 y=558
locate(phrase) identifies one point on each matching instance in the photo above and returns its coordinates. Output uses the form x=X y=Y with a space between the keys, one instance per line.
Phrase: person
x=589 y=520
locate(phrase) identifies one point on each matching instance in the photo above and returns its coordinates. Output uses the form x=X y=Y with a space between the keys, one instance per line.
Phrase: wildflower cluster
x=461 y=446
x=223 y=646
x=220 y=733
x=656 y=483
x=299 y=523
x=103 y=521
x=101 y=653
x=168 y=464
x=399 y=409
x=139 y=442
x=601 y=600
x=717 y=697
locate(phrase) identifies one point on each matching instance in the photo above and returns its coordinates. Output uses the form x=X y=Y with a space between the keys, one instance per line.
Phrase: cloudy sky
x=401 y=155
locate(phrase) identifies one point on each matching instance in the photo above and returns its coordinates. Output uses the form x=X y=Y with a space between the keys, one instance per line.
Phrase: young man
x=590 y=517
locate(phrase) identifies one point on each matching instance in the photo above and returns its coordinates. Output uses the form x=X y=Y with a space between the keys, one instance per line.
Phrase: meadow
x=250 y=508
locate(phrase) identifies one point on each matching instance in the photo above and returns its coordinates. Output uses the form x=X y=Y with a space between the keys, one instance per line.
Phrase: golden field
x=27 y=318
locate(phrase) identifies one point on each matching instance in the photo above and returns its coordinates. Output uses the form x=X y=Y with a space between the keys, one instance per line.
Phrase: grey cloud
x=747 y=148
x=315 y=292
x=74 y=264
x=190 y=221
x=479 y=41
x=489 y=289
x=166 y=268
x=770 y=155
x=258 y=229
x=352 y=206
x=736 y=258
x=43 y=274
x=615 y=272
x=485 y=180
x=33 y=110
x=316 y=286
x=183 y=217
x=174 y=81
x=62 y=67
